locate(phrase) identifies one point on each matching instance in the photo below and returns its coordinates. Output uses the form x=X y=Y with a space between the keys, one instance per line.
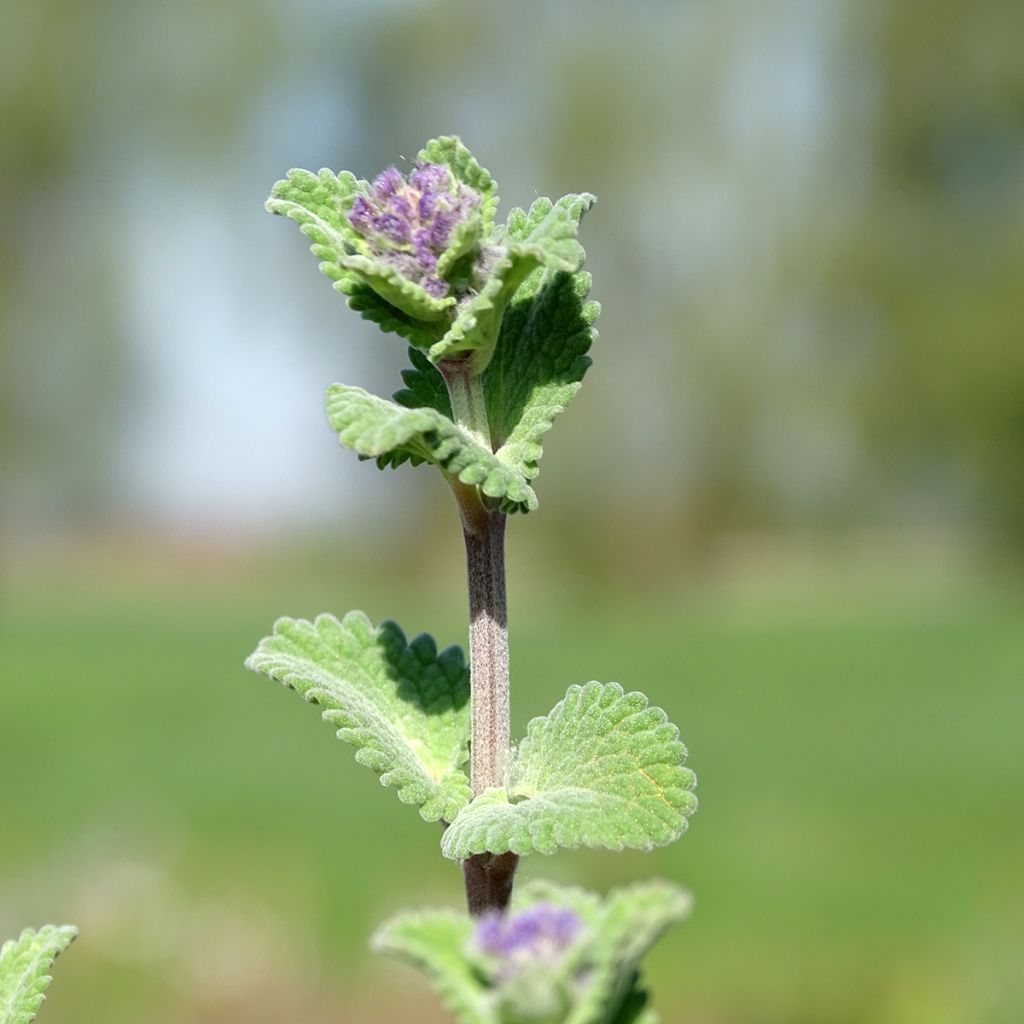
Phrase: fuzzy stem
x=488 y=876
x=469 y=408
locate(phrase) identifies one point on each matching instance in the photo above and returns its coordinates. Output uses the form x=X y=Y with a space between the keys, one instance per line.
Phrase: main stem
x=488 y=876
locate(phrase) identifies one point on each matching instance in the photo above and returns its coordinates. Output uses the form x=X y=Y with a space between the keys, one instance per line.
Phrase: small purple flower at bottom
x=534 y=937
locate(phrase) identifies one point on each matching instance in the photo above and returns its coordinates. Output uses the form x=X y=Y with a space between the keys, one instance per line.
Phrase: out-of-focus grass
x=856 y=856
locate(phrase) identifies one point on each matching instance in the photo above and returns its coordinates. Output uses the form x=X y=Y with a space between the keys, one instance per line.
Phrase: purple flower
x=534 y=936
x=408 y=223
x=387 y=183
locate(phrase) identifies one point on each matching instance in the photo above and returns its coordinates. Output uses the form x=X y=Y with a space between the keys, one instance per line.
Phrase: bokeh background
x=789 y=502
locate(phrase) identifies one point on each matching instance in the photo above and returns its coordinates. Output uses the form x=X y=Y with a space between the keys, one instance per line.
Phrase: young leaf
x=378 y=429
x=370 y=306
x=539 y=363
x=545 y=237
x=449 y=150
x=24 y=966
x=435 y=941
x=602 y=769
x=632 y=920
x=403 y=706
x=475 y=328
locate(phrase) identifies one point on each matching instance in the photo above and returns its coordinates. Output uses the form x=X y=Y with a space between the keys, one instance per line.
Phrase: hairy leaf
x=602 y=769
x=376 y=428
x=24 y=970
x=435 y=941
x=424 y=386
x=544 y=237
x=541 y=355
x=403 y=706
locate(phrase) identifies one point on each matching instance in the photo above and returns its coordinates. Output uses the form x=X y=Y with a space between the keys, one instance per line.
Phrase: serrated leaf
x=449 y=150
x=424 y=386
x=370 y=306
x=435 y=941
x=476 y=324
x=406 y=296
x=319 y=204
x=632 y=920
x=24 y=970
x=376 y=428
x=544 y=237
x=541 y=356
x=403 y=706
x=465 y=238
x=603 y=769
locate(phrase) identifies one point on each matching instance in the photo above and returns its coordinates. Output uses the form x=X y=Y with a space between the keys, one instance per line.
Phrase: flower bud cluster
x=409 y=222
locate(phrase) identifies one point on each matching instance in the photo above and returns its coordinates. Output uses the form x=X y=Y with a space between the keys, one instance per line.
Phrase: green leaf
x=602 y=769
x=319 y=204
x=549 y=229
x=541 y=355
x=370 y=306
x=403 y=706
x=545 y=237
x=24 y=966
x=449 y=150
x=375 y=428
x=632 y=920
x=436 y=941
x=424 y=386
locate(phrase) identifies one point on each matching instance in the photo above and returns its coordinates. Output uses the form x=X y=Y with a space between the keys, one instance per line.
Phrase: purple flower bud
x=436 y=287
x=408 y=224
x=539 y=934
x=393 y=227
x=430 y=178
x=441 y=229
x=387 y=183
x=400 y=206
x=361 y=215
x=425 y=256
x=427 y=206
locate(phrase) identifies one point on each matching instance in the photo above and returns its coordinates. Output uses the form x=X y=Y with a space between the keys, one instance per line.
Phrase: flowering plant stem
x=499 y=326
x=488 y=876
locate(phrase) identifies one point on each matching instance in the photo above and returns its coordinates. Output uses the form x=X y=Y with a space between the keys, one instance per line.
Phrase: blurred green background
x=788 y=504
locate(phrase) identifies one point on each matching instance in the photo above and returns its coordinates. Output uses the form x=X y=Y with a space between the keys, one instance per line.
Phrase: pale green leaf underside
x=603 y=769
x=436 y=941
x=24 y=970
x=378 y=429
x=403 y=706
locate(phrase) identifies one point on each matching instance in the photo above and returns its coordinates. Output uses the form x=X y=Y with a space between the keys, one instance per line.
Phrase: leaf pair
x=595 y=982
x=603 y=769
x=25 y=963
